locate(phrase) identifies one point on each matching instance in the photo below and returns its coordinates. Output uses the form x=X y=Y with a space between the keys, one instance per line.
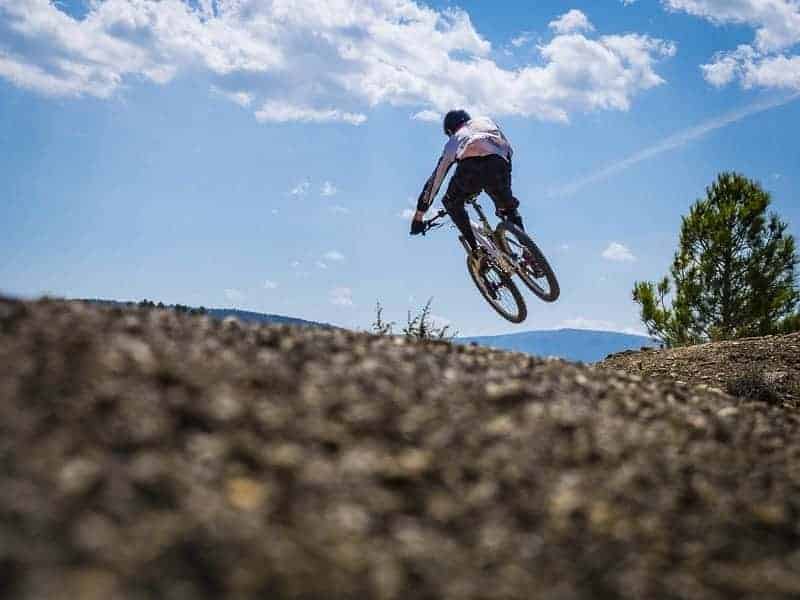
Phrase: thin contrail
x=674 y=141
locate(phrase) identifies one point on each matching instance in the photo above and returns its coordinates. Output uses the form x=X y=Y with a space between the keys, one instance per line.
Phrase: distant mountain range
x=254 y=317
x=222 y=313
x=579 y=345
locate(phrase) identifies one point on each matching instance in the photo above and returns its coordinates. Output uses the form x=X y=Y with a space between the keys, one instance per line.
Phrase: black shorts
x=491 y=174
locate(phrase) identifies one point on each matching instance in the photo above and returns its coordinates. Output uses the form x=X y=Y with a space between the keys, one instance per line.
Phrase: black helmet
x=453 y=120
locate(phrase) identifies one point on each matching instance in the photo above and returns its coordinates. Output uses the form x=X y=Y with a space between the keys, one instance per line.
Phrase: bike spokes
x=531 y=265
x=498 y=290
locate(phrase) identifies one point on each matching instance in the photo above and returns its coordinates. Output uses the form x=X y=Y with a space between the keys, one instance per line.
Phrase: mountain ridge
x=580 y=345
x=246 y=316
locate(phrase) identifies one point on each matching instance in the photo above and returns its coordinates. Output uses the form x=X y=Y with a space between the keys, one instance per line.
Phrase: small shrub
x=418 y=327
x=379 y=326
x=753 y=384
x=421 y=326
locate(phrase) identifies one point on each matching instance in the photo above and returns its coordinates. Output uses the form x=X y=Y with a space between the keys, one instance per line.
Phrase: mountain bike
x=506 y=251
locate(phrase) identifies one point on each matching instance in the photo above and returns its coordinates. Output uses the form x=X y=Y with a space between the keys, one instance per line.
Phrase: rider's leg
x=458 y=213
x=464 y=184
x=498 y=186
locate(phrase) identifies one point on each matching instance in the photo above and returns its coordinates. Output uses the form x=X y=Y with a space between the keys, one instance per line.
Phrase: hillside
x=150 y=454
x=752 y=365
x=246 y=316
x=579 y=345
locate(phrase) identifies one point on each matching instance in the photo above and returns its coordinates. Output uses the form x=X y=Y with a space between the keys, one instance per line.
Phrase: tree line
x=733 y=274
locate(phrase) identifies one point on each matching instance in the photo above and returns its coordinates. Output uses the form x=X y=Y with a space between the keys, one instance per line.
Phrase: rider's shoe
x=512 y=216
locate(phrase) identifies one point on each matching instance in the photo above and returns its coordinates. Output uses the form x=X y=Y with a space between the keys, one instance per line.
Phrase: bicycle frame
x=485 y=236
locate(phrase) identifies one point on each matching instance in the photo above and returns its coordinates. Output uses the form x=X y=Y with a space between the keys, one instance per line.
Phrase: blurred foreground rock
x=157 y=455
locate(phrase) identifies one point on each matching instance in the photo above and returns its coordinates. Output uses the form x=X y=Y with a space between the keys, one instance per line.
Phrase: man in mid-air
x=483 y=155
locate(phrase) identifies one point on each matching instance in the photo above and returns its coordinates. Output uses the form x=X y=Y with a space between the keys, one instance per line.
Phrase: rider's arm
x=433 y=184
x=505 y=139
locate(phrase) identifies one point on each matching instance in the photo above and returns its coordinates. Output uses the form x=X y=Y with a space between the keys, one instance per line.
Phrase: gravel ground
x=775 y=360
x=156 y=455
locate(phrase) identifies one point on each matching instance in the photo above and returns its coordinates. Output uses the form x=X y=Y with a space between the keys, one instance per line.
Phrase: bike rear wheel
x=532 y=265
x=498 y=290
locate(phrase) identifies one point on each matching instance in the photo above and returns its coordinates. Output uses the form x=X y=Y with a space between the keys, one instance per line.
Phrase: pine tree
x=733 y=273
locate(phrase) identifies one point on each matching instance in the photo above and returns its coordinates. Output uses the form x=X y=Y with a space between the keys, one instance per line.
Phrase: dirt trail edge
x=773 y=359
x=157 y=455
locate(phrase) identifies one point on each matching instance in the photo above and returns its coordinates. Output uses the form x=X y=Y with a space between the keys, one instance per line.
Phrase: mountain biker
x=484 y=156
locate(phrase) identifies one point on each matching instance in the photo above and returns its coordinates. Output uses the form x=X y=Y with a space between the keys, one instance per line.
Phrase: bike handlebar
x=432 y=223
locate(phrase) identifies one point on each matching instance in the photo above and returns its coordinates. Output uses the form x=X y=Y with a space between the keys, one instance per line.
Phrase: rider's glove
x=417 y=227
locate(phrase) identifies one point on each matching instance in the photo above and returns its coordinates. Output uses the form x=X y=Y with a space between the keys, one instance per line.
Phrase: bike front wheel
x=498 y=290
x=532 y=266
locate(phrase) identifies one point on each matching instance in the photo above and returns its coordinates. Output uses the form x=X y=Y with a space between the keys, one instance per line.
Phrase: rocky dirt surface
x=156 y=455
x=776 y=359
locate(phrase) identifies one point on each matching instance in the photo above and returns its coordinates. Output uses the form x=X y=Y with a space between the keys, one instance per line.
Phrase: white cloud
x=721 y=72
x=334 y=256
x=320 y=265
x=618 y=252
x=584 y=323
x=571 y=22
x=429 y=116
x=301 y=189
x=763 y=63
x=406 y=213
x=521 y=39
x=321 y=61
x=340 y=210
x=243 y=99
x=777 y=22
x=672 y=142
x=328 y=189
x=233 y=295
x=270 y=285
x=276 y=111
x=341 y=296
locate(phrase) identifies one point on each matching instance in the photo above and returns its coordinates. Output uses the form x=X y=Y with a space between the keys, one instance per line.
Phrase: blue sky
x=261 y=154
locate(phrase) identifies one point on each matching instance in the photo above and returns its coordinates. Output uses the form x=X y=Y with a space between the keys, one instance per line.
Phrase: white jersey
x=477 y=137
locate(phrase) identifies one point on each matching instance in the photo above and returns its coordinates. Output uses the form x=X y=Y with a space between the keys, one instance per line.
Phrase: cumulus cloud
x=301 y=189
x=270 y=285
x=618 y=253
x=341 y=296
x=571 y=22
x=334 y=256
x=241 y=98
x=321 y=61
x=328 y=189
x=522 y=39
x=277 y=111
x=430 y=116
x=406 y=213
x=762 y=63
x=340 y=210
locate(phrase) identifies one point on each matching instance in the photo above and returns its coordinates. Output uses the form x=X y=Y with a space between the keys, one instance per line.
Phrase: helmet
x=453 y=120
